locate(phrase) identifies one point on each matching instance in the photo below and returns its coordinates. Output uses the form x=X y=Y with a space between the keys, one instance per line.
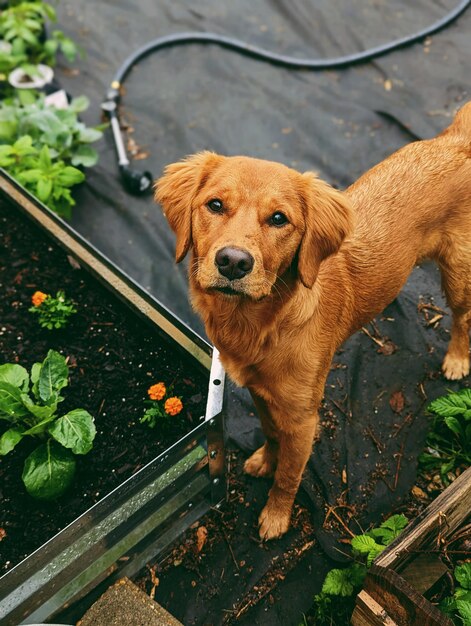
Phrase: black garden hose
x=140 y=182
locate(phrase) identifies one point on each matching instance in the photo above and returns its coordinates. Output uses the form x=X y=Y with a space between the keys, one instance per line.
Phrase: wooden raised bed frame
x=393 y=588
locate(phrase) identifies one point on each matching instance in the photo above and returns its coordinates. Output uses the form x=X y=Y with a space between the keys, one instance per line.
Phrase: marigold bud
x=173 y=406
x=38 y=298
x=157 y=391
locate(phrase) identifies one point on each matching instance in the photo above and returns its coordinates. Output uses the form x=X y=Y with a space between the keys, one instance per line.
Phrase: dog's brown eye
x=215 y=206
x=278 y=219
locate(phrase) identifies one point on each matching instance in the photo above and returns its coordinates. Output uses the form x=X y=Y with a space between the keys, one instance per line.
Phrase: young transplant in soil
x=29 y=402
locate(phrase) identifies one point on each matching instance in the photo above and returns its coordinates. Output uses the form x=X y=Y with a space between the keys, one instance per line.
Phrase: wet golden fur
x=339 y=261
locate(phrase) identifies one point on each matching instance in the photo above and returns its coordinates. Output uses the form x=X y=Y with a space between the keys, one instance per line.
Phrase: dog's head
x=249 y=221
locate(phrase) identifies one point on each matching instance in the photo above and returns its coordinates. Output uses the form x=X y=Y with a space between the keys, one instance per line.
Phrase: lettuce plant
x=29 y=404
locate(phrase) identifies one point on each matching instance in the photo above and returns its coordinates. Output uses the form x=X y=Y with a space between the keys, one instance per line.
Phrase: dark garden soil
x=219 y=573
x=113 y=358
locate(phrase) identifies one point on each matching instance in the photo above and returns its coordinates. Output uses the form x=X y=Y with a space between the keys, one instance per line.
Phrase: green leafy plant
x=23 y=25
x=160 y=409
x=54 y=313
x=61 y=130
x=449 y=441
x=458 y=606
x=48 y=180
x=334 y=604
x=29 y=403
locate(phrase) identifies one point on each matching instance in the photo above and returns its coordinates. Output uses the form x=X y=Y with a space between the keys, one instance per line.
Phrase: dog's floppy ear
x=176 y=190
x=328 y=220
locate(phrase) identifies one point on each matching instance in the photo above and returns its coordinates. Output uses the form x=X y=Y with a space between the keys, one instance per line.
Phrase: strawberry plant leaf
x=463 y=575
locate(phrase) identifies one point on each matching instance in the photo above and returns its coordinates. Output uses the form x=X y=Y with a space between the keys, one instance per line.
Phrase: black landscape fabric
x=339 y=123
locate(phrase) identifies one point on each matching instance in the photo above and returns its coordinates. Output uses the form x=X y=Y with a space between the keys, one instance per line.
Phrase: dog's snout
x=234 y=263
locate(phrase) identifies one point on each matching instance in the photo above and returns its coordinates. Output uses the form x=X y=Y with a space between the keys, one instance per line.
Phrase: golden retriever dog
x=284 y=268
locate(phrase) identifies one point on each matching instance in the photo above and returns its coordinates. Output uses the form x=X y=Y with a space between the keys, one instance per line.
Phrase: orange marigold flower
x=173 y=406
x=38 y=298
x=157 y=391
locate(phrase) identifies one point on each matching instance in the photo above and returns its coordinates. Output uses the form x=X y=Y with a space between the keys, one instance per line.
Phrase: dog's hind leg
x=456 y=281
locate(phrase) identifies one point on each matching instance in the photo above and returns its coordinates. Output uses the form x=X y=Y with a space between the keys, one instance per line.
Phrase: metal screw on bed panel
x=212 y=423
x=213 y=454
x=216 y=481
x=190 y=504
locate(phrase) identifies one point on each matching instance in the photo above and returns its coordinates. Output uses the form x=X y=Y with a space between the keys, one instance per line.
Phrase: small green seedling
x=29 y=403
x=334 y=604
x=54 y=313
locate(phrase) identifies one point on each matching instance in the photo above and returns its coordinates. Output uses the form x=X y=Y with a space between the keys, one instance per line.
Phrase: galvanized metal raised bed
x=136 y=521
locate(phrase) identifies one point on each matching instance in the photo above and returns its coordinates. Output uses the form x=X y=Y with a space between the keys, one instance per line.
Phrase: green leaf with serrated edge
x=448 y=606
x=48 y=471
x=11 y=406
x=464 y=611
x=75 y=430
x=9 y=439
x=453 y=424
x=373 y=554
x=396 y=523
x=15 y=375
x=362 y=544
x=53 y=376
x=465 y=395
x=450 y=405
x=343 y=582
x=463 y=575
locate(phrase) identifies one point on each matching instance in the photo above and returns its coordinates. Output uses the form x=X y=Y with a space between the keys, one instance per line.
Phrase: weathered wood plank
x=423 y=571
x=437 y=522
x=401 y=601
x=369 y=613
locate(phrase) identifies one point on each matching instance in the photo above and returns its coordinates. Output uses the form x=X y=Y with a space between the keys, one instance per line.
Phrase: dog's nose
x=234 y=262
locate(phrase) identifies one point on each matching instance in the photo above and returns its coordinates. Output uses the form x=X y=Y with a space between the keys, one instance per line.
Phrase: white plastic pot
x=21 y=80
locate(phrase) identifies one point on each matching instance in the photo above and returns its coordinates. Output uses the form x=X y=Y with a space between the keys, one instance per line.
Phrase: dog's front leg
x=263 y=461
x=294 y=449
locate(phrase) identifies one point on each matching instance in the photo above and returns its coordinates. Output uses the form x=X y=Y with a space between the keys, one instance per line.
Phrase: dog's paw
x=455 y=368
x=260 y=464
x=273 y=523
